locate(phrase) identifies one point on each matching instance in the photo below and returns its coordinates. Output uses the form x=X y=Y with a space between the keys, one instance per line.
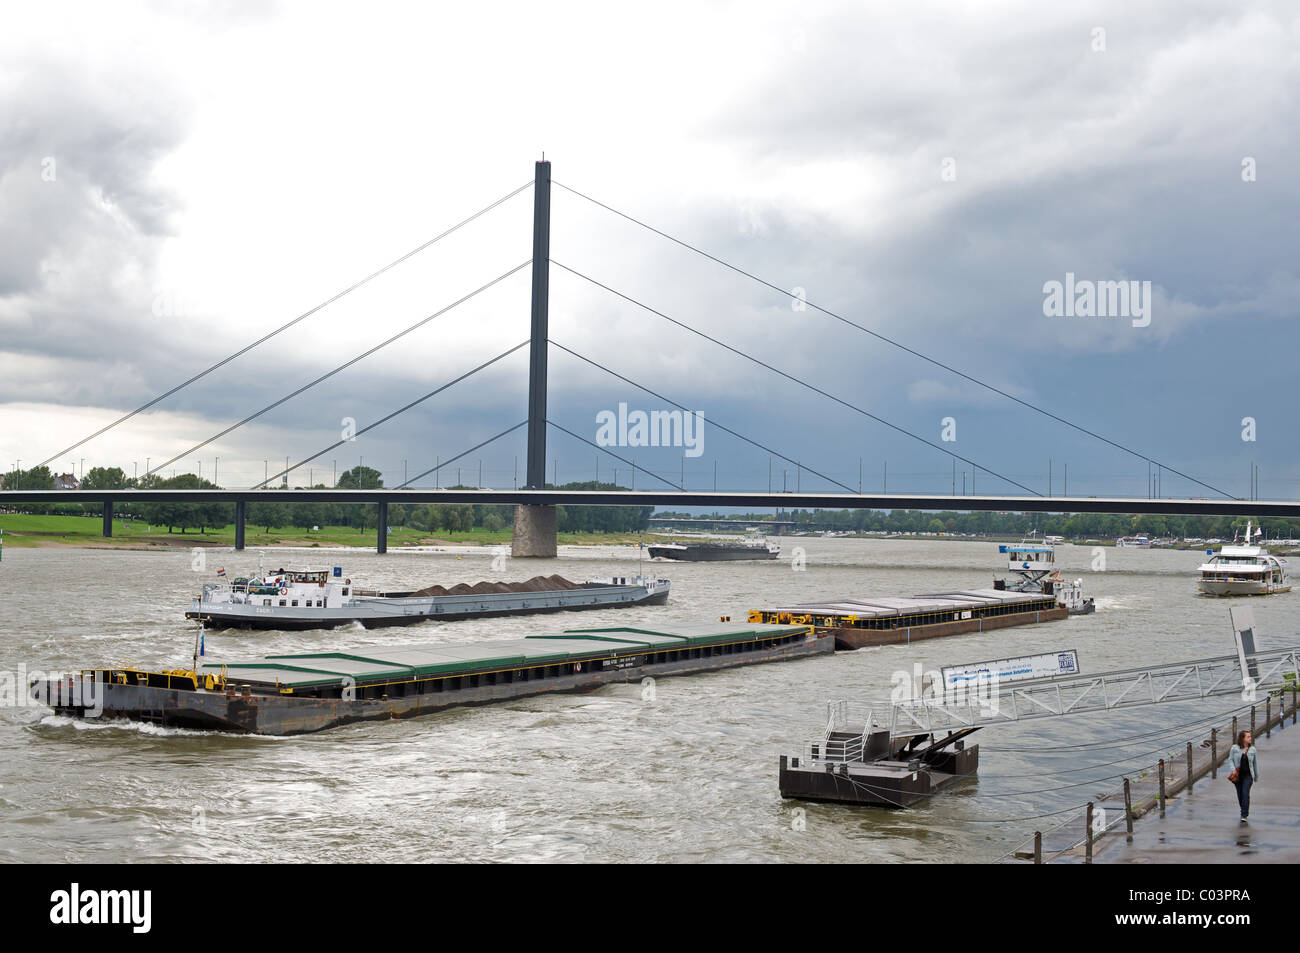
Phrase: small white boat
x=1245 y=570
x=1133 y=542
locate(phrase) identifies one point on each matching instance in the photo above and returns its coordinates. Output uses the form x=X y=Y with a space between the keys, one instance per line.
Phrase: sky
x=177 y=182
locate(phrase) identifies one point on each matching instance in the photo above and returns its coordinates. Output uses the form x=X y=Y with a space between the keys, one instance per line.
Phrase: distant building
x=66 y=481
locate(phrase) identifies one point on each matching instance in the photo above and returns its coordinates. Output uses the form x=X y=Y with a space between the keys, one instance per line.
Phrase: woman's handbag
x=1233 y=777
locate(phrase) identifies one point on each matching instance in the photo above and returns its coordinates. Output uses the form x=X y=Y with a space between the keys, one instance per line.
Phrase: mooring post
x=1088 y=821
x=241 y=514
x=381 y=543
x=1214 y=752
x=1128 y=807
x=1038 y=847
x=108 y=518
x=1234 y=729
x=1295 y=713
x=1252 y=721
x=1162 y=787
x=1189 y=767
x=1268 y=717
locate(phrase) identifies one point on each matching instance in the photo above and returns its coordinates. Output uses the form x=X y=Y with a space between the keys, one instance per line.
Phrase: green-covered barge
x=298 y=694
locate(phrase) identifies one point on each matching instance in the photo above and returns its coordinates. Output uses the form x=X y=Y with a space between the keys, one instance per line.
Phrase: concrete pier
x=535 y=532
x=108 y=519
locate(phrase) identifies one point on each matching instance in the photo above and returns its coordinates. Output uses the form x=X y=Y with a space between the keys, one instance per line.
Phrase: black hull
x=709 y=556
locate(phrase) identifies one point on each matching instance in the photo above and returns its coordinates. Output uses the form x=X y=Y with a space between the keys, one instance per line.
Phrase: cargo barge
x=298 y=694
x=324 y=599
x=884 y=620
x=715 y=552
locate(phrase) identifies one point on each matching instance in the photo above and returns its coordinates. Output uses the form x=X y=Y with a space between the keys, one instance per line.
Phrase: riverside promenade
x=1204 y=827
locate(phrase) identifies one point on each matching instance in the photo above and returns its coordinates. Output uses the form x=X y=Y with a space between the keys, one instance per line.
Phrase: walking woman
x=1245 y=771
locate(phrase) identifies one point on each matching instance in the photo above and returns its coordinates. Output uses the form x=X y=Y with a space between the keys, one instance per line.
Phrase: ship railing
x=834 y=750
x=841 y=716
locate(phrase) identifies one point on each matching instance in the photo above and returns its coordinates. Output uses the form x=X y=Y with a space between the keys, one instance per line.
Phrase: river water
x=688 y=775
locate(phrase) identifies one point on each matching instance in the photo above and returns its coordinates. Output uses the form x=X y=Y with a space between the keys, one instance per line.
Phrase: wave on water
x=139 y=727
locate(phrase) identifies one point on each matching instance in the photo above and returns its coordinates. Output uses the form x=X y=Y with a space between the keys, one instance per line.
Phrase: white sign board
x=1047 y=665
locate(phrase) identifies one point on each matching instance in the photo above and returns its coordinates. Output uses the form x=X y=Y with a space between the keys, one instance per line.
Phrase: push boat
x=715 y=551
x=298 y=694
x=1033 y=564
x=325 y=598
x=1245 y=570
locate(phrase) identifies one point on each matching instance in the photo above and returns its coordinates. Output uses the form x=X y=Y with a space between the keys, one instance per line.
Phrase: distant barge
x=715 y=552
x=324 y=599
x=298 y=694
x=855 y=623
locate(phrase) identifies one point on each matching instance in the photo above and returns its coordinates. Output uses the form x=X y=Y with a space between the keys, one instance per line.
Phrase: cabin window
x=319 y=603
x=295 y=602
x=266 y=602
x=345 y=591
x=281 y=602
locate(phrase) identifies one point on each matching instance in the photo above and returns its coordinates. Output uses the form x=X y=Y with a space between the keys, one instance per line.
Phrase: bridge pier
x=381 y=543
x=108 y=519
x=535 y=532
x=241 y=515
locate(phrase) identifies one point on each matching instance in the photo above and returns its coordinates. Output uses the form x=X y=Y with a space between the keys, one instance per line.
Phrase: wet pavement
x=1205 y=827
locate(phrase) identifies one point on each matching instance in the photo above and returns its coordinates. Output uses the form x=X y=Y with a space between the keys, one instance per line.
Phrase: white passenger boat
x=1133 y=542
x=1245 y=570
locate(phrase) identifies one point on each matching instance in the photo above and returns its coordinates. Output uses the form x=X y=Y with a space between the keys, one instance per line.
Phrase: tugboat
x=325 y=598
x=1034 y=562
x=1245 y=570
x=715 y=551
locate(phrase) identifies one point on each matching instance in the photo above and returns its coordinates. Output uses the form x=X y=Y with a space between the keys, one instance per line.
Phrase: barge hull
x=287 y=714
x=847 y=640
x=211 y=620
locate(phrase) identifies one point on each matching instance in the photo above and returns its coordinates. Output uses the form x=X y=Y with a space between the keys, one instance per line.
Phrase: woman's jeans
x=1244 y=781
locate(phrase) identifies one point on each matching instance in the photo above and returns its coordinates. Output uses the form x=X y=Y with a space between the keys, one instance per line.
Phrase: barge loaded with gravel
x=297 y=694
x=325 y=598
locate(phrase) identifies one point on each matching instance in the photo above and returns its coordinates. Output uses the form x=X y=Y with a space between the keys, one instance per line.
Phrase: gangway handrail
x=1052 y=697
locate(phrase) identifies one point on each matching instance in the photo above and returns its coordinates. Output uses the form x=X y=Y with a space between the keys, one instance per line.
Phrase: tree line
x=432 y=518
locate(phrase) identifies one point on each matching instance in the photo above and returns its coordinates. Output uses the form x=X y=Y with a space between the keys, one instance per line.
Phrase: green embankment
x=27 y=531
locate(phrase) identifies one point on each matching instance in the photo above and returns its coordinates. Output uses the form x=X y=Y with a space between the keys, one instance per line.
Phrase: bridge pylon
x=535 y=526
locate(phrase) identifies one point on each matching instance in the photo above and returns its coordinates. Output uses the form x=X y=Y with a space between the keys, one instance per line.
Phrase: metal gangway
x=984 y=704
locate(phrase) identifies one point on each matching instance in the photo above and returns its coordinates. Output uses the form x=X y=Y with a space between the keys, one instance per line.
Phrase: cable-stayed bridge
x=535 y=502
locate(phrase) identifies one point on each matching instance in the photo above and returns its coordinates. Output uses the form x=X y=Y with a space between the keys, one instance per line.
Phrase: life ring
x=284 y=590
